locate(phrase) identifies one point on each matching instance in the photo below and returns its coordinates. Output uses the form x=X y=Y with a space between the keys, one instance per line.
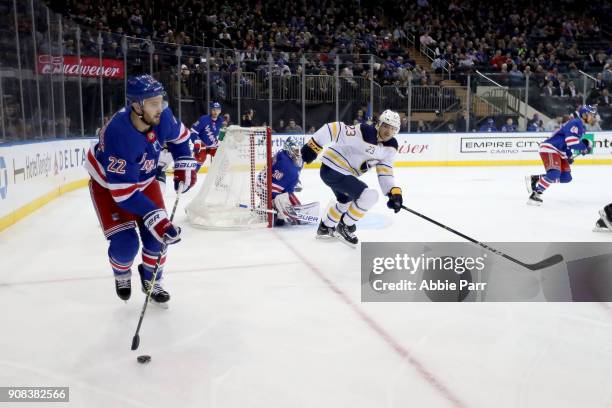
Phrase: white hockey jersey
x=353 y=150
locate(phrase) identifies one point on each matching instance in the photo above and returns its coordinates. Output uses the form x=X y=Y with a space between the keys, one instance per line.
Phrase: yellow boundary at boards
x=29 y=208
x=32 y=206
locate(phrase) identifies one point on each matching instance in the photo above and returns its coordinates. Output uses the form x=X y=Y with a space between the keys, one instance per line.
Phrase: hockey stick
x=553 y=260
x=136 y=338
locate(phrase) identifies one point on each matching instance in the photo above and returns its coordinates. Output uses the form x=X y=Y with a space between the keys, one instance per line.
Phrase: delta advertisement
x=31 y=171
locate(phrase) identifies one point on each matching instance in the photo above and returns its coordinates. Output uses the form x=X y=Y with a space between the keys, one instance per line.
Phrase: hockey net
x=236 y=193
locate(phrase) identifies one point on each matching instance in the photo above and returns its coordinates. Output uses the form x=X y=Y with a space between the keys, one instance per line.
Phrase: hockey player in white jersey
x=352 y=151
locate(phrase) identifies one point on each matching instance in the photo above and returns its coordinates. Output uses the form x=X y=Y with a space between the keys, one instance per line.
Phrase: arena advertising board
x=31 y=171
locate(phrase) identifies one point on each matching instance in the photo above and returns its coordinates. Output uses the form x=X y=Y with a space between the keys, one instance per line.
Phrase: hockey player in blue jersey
x=205 y=134
x=556 y=153
x=123 y=188
x=286 y=169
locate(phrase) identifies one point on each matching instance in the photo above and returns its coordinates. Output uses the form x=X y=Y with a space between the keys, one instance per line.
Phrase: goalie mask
x=292 y=148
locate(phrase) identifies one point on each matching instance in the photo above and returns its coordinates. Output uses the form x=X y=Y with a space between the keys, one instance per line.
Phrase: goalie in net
x=286 y=168
x=245 y=189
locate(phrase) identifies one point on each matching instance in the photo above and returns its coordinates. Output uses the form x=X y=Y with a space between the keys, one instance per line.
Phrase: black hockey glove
x=310 y=151
x=395 y=199
x=589 y=148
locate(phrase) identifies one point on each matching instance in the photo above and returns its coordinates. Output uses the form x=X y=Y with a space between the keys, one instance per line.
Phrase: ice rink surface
x=273 y=318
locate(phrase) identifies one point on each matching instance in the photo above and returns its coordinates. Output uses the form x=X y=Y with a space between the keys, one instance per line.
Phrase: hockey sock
x=334 y=214
x=360 y=206
x=121 y=270
x=551 y=176
x=122 y=249
x=149 y=258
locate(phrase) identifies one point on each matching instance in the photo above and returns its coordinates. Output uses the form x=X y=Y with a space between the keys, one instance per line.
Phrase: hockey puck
x=144 y=359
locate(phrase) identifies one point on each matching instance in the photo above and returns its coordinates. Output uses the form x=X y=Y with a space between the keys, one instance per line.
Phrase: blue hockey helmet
x=587 y=109
x=215 y=105
x=143 y=87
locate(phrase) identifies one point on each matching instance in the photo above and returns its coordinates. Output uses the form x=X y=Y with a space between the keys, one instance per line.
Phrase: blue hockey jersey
x=285 y=175
x=207 y=130
x=125 y=160
x=566 y=139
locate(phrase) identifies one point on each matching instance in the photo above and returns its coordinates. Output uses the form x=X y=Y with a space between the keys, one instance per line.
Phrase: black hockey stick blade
x=553 y=260
x=135 y=342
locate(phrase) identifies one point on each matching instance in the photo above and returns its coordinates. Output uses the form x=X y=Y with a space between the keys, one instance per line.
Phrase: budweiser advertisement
x=89 y=67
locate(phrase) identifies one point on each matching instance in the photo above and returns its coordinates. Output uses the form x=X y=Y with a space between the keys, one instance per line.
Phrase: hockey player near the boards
x=352 y=151
x=556 y=153
x=124 y=191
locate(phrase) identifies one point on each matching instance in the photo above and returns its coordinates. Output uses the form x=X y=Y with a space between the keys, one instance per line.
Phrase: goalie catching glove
x=161 y=228
x=310 y=151
x=185 y=173
x=395 y=199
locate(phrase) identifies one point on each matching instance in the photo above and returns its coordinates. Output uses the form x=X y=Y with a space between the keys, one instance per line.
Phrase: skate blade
x=345 y=242
x=325 y=238
x=601 y=229
x=528 y=184
x=163 y=306
x=534 y=203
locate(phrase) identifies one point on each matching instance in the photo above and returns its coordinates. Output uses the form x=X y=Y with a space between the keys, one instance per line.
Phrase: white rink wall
x=32 y=174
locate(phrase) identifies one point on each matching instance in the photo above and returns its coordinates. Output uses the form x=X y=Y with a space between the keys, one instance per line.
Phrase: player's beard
x=151 y=120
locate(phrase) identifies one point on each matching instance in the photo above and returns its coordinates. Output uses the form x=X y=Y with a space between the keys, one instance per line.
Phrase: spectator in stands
x=572 y=91
x=489 y=126
x=426 y=39
x=554 y=124
x=533 y=125
x=422 y=127
x=605 y=99
x=461 y=123
x=293 y=128
x=438 y=64
x=281 y=126
x=562 y=90
x=247 y=118
x=549 y=89
x=311 y=130
x=509 y=126
x=226 y=120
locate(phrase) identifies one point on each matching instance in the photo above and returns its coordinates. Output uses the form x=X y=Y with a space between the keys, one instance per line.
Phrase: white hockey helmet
x=391 y=118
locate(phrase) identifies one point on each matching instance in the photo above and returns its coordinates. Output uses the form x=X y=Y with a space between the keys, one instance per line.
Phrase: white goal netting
x=236 y=193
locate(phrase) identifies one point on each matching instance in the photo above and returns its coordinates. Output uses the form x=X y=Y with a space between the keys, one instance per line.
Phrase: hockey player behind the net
x=556 y=154
x=124 y=191
x=352 y=152
x=205 y=134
